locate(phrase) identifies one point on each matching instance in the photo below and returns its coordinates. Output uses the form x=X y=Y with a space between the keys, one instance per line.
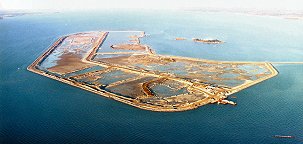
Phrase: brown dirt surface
x=132 y=89
x=136 y=47
x=69 y=62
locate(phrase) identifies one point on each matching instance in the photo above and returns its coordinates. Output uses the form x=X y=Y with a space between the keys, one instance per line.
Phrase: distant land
x=14 y=13
x=287 y=14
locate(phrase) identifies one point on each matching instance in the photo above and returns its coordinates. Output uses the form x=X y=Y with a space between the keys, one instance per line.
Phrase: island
x=14 y=13
x=208 y=41
x=116 y=65
x=180 y=38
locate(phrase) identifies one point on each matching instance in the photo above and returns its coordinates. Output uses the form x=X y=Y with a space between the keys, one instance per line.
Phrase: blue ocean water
x=36 y=109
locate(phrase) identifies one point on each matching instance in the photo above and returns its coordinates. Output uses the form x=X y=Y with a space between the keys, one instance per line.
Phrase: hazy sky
x=155 y=4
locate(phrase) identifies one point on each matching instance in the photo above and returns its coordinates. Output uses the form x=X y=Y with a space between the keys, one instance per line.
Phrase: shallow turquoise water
x=36 y=109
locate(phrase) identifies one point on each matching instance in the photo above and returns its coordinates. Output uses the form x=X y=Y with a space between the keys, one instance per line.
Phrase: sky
x=149 y=4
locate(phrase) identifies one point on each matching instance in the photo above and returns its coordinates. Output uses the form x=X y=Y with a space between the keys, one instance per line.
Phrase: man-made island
x=116 y=65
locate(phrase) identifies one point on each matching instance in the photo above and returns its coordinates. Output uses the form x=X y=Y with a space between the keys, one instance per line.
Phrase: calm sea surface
x=36 y=109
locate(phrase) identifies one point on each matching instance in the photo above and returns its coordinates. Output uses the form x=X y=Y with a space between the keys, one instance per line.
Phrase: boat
x=283 y=136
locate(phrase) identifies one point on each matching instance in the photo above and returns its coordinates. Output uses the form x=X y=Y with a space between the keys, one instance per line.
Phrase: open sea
x=36 y=109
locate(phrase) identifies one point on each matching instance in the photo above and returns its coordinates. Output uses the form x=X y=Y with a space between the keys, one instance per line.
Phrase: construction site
x=115 y=64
